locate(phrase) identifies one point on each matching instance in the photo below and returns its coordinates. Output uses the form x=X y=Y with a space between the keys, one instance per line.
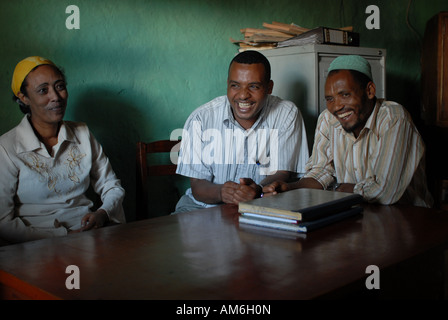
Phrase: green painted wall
x=136 y=69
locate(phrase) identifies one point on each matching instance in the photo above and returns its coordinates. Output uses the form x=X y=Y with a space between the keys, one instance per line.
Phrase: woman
x=47 y=164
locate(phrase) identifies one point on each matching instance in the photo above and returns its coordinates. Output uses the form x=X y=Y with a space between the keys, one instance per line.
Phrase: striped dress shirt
x=216 y=148
x=385 y=162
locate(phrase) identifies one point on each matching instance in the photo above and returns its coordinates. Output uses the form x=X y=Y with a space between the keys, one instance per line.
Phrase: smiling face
x=348 y=101
x=46 y=94
x=247 y=89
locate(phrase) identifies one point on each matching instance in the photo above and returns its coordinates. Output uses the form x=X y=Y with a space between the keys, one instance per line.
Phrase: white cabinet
x=299 y=75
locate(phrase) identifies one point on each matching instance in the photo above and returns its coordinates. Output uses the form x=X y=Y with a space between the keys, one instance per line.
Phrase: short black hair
x=252 y=57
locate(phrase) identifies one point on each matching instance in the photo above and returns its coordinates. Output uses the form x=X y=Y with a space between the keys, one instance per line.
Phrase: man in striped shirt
x=363 y=144
x=235 y=144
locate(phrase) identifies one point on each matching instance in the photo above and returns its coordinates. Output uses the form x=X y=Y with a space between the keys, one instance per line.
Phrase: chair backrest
x=144 y=170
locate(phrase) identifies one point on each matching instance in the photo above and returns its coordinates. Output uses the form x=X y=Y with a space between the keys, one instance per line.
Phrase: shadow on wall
x=296 y=91
x=299 y=95
x=408 y=94
x=114 y=122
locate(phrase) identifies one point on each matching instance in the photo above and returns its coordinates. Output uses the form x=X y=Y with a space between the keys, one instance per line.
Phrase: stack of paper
x=277 y=34
x=267 y=37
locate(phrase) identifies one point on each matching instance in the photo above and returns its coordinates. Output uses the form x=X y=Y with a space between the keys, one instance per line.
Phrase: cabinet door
x=442 y=114
x=435 y=71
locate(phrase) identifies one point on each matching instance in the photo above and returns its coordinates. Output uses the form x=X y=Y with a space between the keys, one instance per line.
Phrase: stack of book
x=267 y=37
x=323 y=35
x=277 y=34
x=300 y=210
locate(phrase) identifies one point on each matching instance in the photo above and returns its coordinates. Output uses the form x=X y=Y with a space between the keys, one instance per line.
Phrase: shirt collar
x=370 y=123
x=27 y=140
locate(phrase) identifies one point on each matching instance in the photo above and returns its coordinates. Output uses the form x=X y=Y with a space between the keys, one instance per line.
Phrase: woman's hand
x=92 y=220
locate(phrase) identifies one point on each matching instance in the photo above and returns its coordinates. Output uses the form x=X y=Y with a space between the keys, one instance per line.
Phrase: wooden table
x=206 y=254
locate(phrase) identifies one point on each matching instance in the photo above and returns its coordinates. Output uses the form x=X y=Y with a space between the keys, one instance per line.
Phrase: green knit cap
x=352 y=62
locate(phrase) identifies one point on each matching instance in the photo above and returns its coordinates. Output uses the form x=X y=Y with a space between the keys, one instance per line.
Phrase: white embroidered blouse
x=44 y=196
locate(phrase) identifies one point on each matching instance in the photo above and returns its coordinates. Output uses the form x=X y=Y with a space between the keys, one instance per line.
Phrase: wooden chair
x=145 y=170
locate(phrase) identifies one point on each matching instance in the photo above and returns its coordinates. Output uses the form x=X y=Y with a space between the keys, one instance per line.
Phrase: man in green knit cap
x=362 y=144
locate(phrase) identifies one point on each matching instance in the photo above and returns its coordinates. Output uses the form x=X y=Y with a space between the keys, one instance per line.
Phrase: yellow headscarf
x=23 y=68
